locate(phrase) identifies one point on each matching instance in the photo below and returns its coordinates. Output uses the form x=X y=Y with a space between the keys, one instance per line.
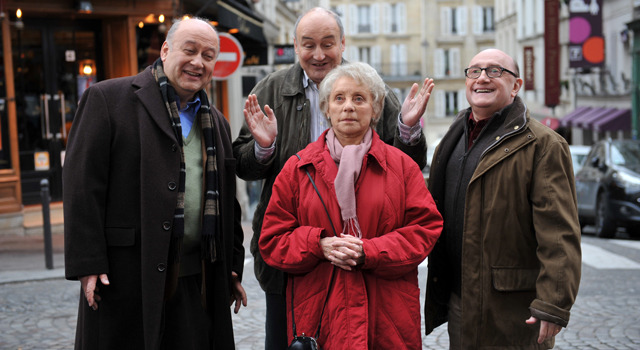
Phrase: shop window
x=5 y=154
x=149 y=42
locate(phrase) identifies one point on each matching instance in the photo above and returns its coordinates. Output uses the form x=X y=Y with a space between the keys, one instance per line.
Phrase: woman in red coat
x=385 y=218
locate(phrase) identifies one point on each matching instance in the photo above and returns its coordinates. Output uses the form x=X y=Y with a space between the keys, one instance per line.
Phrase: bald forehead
x=493 y=57
x=196 y=25
x=315 y=20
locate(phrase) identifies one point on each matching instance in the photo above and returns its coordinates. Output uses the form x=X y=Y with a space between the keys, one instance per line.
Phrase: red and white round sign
x=230 y=58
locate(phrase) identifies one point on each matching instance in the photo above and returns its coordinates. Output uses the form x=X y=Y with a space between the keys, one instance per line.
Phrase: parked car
x=578 y=155
x=608 y=187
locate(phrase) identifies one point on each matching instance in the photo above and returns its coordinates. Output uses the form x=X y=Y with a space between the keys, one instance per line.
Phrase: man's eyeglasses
x=492 y=72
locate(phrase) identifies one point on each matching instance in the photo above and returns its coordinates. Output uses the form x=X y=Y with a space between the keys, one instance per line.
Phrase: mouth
x=483 y=91
x=193 y=74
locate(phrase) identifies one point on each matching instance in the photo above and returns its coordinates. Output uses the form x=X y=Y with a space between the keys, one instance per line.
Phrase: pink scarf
x=349 y=160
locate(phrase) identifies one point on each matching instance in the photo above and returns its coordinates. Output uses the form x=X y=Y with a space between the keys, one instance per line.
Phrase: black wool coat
x=120 y=190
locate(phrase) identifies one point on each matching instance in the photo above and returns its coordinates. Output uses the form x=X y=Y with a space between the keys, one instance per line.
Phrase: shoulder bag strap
x=333 y=271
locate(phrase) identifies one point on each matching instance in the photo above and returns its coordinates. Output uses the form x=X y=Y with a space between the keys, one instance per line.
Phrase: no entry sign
x=230 y=58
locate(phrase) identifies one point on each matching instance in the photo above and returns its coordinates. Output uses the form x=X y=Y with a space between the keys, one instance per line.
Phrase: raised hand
x=416 y=102
x=263 y=128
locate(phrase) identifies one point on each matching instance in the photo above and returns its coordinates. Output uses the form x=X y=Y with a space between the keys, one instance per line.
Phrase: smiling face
x=318 y=44
x=189 y=60
x=489 y=95
x=350 y=110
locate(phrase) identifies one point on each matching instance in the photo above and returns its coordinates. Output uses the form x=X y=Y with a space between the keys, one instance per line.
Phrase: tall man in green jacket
x=506 y=269
x=292 y=114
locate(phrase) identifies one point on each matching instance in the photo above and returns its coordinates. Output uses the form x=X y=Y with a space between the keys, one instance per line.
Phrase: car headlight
x=630 y=183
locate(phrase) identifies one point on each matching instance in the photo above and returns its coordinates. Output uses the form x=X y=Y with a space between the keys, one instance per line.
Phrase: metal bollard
x=46 y=223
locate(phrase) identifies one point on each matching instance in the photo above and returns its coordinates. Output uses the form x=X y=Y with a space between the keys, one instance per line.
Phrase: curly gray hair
x=363 y=74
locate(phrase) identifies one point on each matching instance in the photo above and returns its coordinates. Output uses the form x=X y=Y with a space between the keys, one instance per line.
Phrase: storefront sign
x=284 y=54
x=529 y=69
x=41 y=161
x=551 y=53
x=586 y=43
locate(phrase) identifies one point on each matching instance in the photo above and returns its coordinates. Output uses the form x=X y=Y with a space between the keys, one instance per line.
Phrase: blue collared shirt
x=188 y=114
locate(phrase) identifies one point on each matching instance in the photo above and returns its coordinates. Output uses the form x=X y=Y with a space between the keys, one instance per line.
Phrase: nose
x=197 y=61
x=348 y=105
x=318 y=53
x=483 y=75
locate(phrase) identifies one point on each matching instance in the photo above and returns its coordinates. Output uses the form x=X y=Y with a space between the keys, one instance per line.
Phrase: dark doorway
x=54 y=62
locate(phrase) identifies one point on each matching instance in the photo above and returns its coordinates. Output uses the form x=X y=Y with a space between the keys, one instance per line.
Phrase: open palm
x=415 y=104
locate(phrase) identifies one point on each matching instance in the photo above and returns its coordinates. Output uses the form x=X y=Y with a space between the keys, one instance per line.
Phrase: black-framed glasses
x=492 y=72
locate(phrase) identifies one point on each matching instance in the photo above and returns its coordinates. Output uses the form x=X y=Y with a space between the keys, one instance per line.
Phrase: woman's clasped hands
x=345 y=252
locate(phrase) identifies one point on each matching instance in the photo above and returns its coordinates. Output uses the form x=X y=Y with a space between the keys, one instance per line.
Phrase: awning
x=620 y=119
x=232 y=14
x=586 y=122
x=586 y=114
x=566 y=121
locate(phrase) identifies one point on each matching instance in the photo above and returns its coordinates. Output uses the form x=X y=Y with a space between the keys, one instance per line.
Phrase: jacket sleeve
x=403 y=249
x=85 y=179
x=248 y=167
x=557 y=230
x=388 y=130
x=284 y=244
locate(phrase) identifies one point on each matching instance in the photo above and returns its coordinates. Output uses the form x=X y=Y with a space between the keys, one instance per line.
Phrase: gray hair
x=176 y=23
x=333 y=14
x=361 y=73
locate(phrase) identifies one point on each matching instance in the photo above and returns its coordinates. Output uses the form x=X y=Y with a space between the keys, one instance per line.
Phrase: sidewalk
x=22 y=258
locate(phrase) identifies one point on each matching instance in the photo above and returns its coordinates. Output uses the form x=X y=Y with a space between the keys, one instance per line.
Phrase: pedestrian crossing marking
x=601 y=259
x=627 y=244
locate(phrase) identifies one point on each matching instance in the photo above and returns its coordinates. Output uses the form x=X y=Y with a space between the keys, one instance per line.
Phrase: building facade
x=593 y=101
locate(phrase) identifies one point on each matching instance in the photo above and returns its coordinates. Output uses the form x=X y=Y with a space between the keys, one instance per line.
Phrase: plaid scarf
x=211 y=213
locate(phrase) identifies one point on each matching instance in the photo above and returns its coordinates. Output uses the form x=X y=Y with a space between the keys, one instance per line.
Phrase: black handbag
x=304 y=342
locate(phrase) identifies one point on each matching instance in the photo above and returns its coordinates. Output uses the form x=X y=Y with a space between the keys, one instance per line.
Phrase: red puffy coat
x=376 y=306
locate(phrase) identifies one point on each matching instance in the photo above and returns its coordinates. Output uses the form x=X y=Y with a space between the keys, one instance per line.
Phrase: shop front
x=52 y=51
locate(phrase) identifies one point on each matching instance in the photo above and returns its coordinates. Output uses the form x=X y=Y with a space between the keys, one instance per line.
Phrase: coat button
x=174 y=147
x=162 y=267
x=166 y=226
x=172 y=186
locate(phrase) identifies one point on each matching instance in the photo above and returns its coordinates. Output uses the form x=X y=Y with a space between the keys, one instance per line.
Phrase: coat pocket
x=120 y=236
x=512 y=279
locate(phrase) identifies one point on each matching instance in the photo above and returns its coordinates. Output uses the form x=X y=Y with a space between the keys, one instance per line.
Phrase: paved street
x=41 y=313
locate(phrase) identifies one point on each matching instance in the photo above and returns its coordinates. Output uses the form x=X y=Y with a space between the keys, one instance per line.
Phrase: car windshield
x=625 y=153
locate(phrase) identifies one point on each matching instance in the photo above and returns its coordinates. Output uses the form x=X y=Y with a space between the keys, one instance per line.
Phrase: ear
x=516 y=87
x=164 y=51
x=342 y=42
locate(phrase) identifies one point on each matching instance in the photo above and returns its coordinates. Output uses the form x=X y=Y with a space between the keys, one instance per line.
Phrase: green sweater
x=190 y=259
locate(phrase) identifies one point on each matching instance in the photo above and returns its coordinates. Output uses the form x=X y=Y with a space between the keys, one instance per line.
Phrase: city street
x=41 y=314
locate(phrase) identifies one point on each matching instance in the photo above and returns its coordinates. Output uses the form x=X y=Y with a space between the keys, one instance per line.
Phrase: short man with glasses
x=506 y=269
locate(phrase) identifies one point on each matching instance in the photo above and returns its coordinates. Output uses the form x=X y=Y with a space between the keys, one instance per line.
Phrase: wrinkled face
x=318 y=44
x=488 y=95
x=189 y=62
x=350 y=110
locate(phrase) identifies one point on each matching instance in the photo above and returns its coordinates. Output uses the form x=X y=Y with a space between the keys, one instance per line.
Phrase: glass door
x=53 y=62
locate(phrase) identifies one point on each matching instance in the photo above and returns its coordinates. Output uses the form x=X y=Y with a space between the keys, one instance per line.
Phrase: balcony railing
x=399 y=71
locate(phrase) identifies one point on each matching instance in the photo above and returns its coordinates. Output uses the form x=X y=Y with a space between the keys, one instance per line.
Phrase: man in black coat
x=152 y=225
